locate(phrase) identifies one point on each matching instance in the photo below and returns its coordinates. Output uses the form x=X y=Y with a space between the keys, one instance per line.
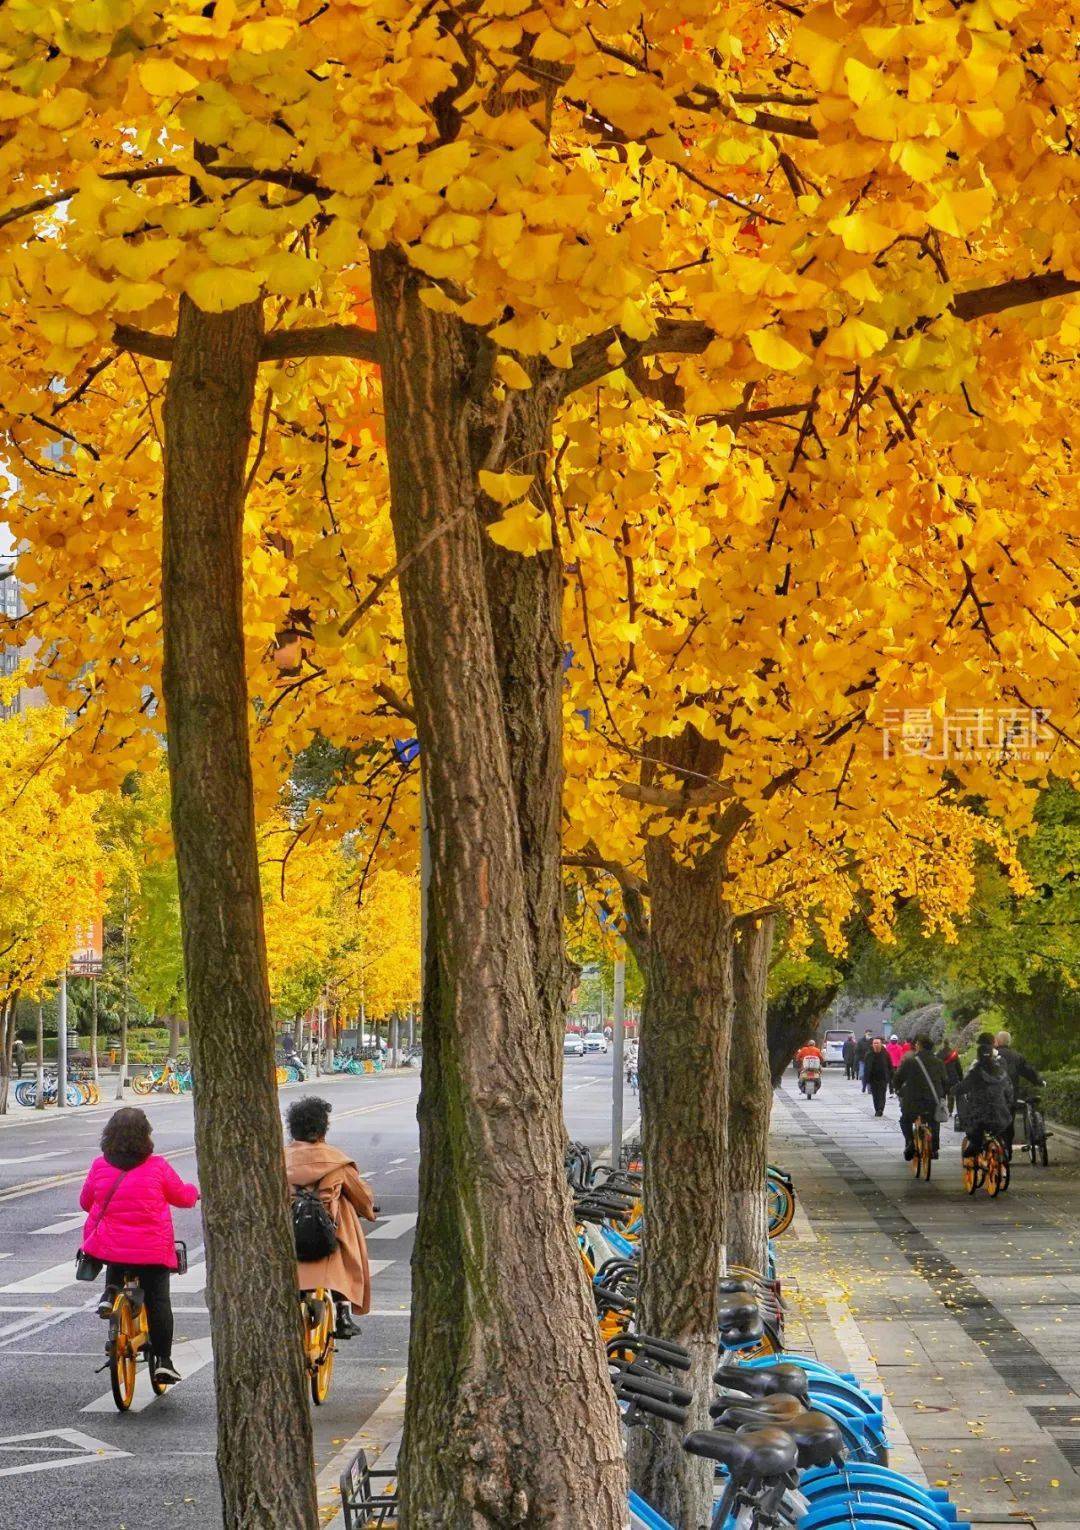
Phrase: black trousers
x=154 y=1280
x=849 y=1068
x=906 y=1126
x=879 y=1088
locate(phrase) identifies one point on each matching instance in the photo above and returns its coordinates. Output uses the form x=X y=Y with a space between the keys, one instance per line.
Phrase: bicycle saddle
x=762 y=1453
x=736 y=1411
x=817 y=1438
x=765 y=1381
x=735 y=1308
x=732 y=1283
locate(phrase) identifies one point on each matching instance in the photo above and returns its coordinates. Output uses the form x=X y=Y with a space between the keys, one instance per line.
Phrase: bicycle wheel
x=781 y=1208
x=924 y=1150
x=321 y=1340
x=174 y=1084
x=144 y=1084
x=996 y=1170
x=26 y=1092
x=123 y=1352
x=971 y=1172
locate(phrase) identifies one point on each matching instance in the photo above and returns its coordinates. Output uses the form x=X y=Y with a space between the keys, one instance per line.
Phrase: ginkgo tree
x=55 y=873
x=727 y=208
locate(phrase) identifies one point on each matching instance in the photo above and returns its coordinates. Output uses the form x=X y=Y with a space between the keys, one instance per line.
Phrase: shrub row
x=1061 y=1098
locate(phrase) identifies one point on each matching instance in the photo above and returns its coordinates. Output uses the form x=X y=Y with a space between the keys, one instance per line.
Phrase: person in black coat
x=920 y=1087
x=950 y=1061
x=984 y=1098
x=849 y=1057
x=1019 y=1070
x=862 y=1052
x=877 y=1074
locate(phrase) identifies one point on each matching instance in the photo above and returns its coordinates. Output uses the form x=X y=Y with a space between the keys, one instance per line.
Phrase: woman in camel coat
x=310 y=1161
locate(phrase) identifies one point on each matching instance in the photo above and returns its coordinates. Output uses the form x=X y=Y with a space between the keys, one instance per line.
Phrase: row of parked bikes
x=81 y=1090
x=793 y=1442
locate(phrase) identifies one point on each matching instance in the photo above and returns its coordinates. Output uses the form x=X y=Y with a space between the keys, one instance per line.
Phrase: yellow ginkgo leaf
x=164 y=77
x=772 y=350
x=505 y=488
x=522 y=530
x=855 y=340
x=267 y=36
x=88 y=293
x=961 y=212
x=512 y=373
x=222 y=288
x=862 y=234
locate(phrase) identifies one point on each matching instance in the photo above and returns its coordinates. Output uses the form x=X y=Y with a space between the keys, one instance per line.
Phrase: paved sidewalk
x=966 y=1309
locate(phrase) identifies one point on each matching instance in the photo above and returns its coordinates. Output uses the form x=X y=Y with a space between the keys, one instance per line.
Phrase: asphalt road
x=66 y=1456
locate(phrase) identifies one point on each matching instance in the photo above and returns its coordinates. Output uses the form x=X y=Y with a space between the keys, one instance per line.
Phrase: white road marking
x=45 y=1282
x=395 y=1226
x=193 y=1281
x=65 y=1225
x=852 y=1341
x=377 y=1266
x=33 y=1157
x=188 y=1357
x=87 y=1447
x=396 y=1161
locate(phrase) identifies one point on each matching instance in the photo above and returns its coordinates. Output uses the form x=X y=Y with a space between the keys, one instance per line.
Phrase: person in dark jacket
x=984 y=1098
x=1018 y=1068
x=950 y=1061
x=862 y=1052
x=849 y=1057
x=920 y=1087
x=877 y=1074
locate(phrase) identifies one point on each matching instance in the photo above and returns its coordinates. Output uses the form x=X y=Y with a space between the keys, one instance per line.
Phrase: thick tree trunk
x=501 y=1314
x=174 y=1035
x=750 y=1095
x=264 y=1426
x=685 y=1037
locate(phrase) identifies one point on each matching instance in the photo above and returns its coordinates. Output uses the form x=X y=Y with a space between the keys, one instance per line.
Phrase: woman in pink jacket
x=128 y=1193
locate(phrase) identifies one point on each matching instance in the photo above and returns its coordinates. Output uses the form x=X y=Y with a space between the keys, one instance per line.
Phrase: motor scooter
x=810 y=1076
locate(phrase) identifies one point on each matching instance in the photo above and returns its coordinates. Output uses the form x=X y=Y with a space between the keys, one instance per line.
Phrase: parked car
x=596 y=1041
x=572 y=1045
x=833 y=1046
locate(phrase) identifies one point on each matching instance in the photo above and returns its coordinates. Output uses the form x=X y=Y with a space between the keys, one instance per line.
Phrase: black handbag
x=89 y=1266
x=181 y=1257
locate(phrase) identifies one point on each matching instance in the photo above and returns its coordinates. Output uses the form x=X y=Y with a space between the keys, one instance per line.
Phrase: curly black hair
x=309 y=1118
x=126 y=1141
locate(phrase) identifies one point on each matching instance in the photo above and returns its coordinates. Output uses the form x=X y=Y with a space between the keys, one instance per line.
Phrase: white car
x=596 y=1041
x=833 y=1047
x=572 y=1045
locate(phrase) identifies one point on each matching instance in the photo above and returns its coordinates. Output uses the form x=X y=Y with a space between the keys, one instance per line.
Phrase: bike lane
x=968 y=1309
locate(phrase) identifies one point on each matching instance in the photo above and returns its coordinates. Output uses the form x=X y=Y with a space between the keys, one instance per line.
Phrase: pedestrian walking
x=862 y=1052
x=18 y=1055
x=850 y=1065
x=920 y=1088
x=879 y=1072
x=897 y=1050
x=954 y=1072
x=128 y=1195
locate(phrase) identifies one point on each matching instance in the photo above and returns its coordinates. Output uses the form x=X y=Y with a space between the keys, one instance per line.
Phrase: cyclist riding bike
x=984 y=1098
x=921 y=1087
x=1017 y=1067
x=128 y=1194
x=311 y=1163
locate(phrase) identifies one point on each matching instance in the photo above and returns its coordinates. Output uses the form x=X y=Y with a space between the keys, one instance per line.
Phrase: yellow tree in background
x=54 y=872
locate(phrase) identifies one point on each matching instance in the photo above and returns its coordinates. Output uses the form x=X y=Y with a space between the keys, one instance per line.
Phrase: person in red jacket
x=811 y=1049
x=128 y=1195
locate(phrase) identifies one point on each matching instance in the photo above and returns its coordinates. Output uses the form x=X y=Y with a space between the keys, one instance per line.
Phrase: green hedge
x=1061 y=1098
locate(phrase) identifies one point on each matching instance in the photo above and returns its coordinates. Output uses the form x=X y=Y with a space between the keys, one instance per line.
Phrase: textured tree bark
x=685 y=1038
x=7 y=1043
x=264 y=1427
x=793 y=1020
x=750 y=1098
x=501 y=1314
x=174 y=1035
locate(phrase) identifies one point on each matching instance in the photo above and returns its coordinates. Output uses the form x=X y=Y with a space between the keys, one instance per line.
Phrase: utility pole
x=617 y=1063
x=40 y=1056
x=122 y=1076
